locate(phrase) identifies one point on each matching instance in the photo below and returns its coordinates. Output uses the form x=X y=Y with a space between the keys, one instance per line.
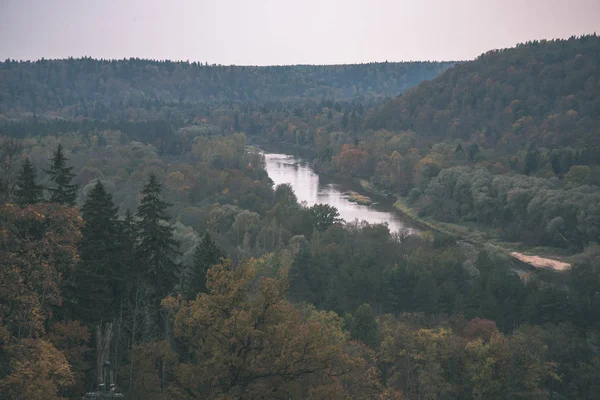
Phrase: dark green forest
x=138 y=226
x=87 y=87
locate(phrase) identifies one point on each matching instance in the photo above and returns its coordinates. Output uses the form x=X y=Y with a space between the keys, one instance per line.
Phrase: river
x=311 y=189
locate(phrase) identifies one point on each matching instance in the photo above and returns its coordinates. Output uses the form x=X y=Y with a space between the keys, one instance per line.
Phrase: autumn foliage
x=244 y=340
x=38 y=249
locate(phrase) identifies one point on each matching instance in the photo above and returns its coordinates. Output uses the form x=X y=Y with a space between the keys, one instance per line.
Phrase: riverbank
x=284 y=166
x=536 y=257
x=362 y=192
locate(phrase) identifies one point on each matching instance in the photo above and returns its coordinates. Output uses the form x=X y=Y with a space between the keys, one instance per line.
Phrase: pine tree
x=236 y=122
x=128 y=242
x=28 y=192
x=99 y=277
x=206 y=254
x=426 y=294
x=156 y=249
x=65 y=192
x=300 y=279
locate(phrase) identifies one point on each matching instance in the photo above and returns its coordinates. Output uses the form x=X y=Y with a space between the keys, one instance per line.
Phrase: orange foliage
x=38 y=371
x=38 y=247
x=351 y=161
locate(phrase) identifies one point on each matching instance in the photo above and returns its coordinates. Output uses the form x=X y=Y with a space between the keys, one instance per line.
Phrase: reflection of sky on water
x=283 y=168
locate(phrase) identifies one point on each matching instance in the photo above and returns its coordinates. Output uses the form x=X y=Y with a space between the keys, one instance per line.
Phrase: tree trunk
x=103 y=340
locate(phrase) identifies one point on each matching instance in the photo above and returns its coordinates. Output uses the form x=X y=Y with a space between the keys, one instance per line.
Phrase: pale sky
x=266 y=32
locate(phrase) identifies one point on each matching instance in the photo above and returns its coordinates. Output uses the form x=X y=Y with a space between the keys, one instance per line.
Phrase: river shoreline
x=357 y=188
x=312 y=188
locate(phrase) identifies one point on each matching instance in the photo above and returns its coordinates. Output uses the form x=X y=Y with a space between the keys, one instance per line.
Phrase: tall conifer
x=99 y=278
x=28 y=192
x=63 y=191
x=156 y=249
x=206 y=254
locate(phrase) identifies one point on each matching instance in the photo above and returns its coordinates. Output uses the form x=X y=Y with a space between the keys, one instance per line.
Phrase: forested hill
x=542 y=92
x=55 y=84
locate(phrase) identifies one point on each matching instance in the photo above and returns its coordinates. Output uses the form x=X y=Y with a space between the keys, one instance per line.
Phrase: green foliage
x=364 y=327
x=460 y=146
x=545 y=91
x=63 y=191
x=206 y=254
x=323 y=216
x=28 y=191
x=143 y=82
x=100 y=274
x=579 y=174
x=156 y=249
x=534 y=210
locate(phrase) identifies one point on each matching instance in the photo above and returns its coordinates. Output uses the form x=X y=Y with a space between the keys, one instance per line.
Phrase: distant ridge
x=52 y=85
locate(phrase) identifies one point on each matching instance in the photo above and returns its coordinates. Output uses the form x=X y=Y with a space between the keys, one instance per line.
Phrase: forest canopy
x=140 y=231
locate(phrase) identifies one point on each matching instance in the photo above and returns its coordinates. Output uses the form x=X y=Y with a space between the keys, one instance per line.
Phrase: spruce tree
x=99 y=277
x=300 y=279
x=28 y=192
x=128 y=243
x=60 y=174
x=206 y=254
x=156 y=249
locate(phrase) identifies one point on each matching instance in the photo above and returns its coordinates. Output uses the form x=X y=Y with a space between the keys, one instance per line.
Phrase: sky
x=269 y=32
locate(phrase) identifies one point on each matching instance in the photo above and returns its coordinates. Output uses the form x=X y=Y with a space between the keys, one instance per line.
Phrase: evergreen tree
x=99 y=278
x=236 y=122
x=28 y=192
x=531 y=162
x=128 y=242
x=156 y=249
x=206 y=254
x=299 y=276
x=60 y=175
x=426 y=294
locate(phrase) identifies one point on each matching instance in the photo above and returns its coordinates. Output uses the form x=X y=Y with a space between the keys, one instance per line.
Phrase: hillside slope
x=542 y=92
x=55 y=84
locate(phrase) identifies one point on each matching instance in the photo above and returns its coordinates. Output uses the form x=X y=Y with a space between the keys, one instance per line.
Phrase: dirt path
x=540 y=262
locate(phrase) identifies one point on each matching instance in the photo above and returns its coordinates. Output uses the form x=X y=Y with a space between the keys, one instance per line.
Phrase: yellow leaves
x=175 y=181
x=154 y=361
x=171 y=303
x=429 y=159
x=38 y=371
x=4 y=334
x=34 y=256
x=247 y=338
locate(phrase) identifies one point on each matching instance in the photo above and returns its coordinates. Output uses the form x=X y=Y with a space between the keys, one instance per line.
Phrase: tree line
x=72 y=86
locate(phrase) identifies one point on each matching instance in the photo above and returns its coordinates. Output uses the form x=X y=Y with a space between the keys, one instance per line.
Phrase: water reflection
x=309 y=188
